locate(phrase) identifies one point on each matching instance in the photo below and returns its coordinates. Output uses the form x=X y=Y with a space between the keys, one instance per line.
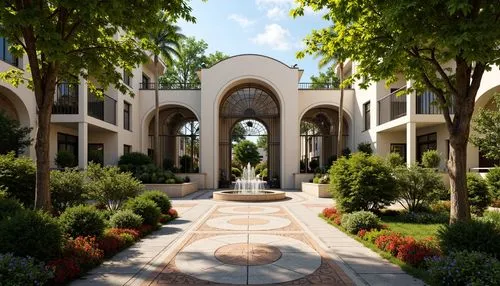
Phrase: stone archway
x=248 y=102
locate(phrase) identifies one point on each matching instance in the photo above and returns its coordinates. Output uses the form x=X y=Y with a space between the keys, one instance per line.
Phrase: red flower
x=119 y=231
x=173 y=213
x=414 y=252
x=329 y=212
x=362 y=232
x=84 y=250
x=390 y=242
x=65 y=269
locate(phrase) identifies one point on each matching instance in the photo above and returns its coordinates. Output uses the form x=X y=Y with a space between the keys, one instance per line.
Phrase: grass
x=417 y=230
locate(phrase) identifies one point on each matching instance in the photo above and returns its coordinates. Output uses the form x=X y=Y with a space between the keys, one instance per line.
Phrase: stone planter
x=174 y=190
x=316 y=190
x=299 y=178
x=199 y=178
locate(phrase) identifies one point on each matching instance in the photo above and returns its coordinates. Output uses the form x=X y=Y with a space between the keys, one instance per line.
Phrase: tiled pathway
x=283 y=243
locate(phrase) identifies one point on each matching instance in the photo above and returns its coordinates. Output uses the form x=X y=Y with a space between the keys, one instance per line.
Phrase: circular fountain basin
x=259 y=196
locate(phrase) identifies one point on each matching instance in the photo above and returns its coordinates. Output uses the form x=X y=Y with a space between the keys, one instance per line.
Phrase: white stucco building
x=197 y=120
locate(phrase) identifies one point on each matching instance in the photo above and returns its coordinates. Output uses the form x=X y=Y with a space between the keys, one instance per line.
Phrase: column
x=411 y=143
x=83 y=142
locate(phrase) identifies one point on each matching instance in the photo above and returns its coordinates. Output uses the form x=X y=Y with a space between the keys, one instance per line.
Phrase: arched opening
x=179 y=139
x=319 y=138
x=251 y=112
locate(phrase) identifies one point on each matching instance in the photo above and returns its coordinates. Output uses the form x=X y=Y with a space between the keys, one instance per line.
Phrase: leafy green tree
x=486 y=129
x=262 y=142
x=238 y=133
x=246 y=152
x=327 y=79
x=13 y=137
x=444 y=46
x=67 y=39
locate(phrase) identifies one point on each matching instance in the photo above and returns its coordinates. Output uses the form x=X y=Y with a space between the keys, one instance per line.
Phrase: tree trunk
x=42 y=147
x=341 y=112
x=457 y=170
x=157 y=157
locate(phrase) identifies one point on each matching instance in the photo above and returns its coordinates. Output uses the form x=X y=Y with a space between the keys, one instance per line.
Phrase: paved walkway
x=282 y=243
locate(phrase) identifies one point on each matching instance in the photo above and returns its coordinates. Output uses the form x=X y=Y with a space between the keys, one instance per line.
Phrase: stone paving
x=279 y=243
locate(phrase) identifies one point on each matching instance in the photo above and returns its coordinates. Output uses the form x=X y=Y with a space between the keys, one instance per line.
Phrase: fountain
x=249 y=188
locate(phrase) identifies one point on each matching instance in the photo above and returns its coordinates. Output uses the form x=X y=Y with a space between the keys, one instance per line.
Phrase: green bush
x=464 y=268
x=418 y=187
x=479 y=196
x=125 y=219
x=160 y=198
x=395 y=160
x=356 y=221
x=472 y=236
x=135 y=159
x=236 y=172
x=365 y=147
x=146 y=208
x=313 y=164
x=491 y=217
x=431 y=159
x=9 y=207
x=362 y=182
x=18 y=177
x=168 y=164
x=31 y=233
x=186 y=163
x=110 y=187
x=67 y=188
x=82 y=221
x=65 y=159
x=493 y=180
x=424 y=217
x=16 y=271
x=13 y=137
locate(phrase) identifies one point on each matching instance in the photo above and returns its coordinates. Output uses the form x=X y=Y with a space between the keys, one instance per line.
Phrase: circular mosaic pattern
x=249 y=210
x=222 y=259
x=247 y=254
x=248 y=222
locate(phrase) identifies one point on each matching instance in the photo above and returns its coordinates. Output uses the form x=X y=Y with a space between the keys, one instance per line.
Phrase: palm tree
x=166 y=41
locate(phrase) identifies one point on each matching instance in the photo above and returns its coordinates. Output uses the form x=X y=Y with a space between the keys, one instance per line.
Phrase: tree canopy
x=486 y=129
x=238 y=133
x=326 y=79
x=246 y=152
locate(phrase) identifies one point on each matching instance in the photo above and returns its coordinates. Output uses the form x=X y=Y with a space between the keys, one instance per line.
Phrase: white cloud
x=275 y=9
x=243 y=21
x=274 y=36
x=275 y=13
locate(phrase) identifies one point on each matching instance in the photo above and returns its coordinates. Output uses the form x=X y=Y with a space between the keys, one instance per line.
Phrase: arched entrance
x=253 y=109
x=319 y=138
x=179 y=139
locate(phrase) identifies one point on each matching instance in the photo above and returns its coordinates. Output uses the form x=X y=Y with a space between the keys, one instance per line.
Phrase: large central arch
x=248 y=101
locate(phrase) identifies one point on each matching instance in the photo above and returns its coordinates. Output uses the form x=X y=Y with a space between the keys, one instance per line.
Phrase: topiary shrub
x=161 y=199
x=464 y=268
x=479 y=196
x=18 y=178
x=472 y=236
x=362 y=182
x=146 y=208
x=67 y=188
x=431 y=159
x=365 y=147
x=356 y=221
x=125 y=219
x=31 y=233
x=82 y=221
x=493 y=181
x=65 y=159
x=9 y=207
x=23 y=271
x=394 y=160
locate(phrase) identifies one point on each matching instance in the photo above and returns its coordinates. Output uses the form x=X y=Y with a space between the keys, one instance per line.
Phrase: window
x=5 y=54
x=96 y=153
x=127 y=78
x=399 y=148
x=127 y=149
x=424 y=143
x=66 y=142
x=145 y=81
x=126 y=115
x=366 y=111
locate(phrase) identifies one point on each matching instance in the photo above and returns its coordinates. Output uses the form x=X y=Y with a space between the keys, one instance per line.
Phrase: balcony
x=391 y=107
x=170 y=86
x=318 y=86
x=66 y=99
x=102 y=108
x=427 y=104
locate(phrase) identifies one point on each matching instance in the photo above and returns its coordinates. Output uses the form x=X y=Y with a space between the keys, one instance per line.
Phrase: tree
x=192 y=57
x=444 y=46
x=12 y=136
x=67 y=39
x=246 y=152
x=238 y=133
x=262 y=142
x=166 y=40
x=486 y=129
x=327 y=79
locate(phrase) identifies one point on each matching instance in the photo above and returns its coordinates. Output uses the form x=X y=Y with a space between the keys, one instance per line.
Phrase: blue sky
x=254 y=26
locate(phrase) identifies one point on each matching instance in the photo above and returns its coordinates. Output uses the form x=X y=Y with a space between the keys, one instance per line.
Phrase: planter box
x=299 y=178
x=316 y=190
x=174 y=190
x=199 y=178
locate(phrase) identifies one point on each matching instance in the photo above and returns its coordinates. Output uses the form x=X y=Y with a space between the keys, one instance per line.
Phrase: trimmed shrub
x=464 y=268
x=491 y=217
x=146 y=208
x=390 y=242
x=424 y=217
x=31 y=233
x=125 y=219
x=65 y=269
x=186 y=163
x=161 y=199
x=471 y=236
x=418 y=187
x=65 y=159
x=365 y=147
x=415 y=252
x=85 y=251
x=9 y=207
x=67 y=189
x=431 y=159
x=356 y=221
x=394 y=160
x=479 y=196
x=22 y=271
x=362 y=182
x=493 y=181
x=82 y=221
x=135 y=159
x=18 y=178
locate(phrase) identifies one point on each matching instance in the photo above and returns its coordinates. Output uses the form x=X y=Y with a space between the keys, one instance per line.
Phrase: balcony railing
x=391 y=107
x=170 y=86
x=102 y=108
x=427 y=103
x=311 y=85
x=66 y=99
